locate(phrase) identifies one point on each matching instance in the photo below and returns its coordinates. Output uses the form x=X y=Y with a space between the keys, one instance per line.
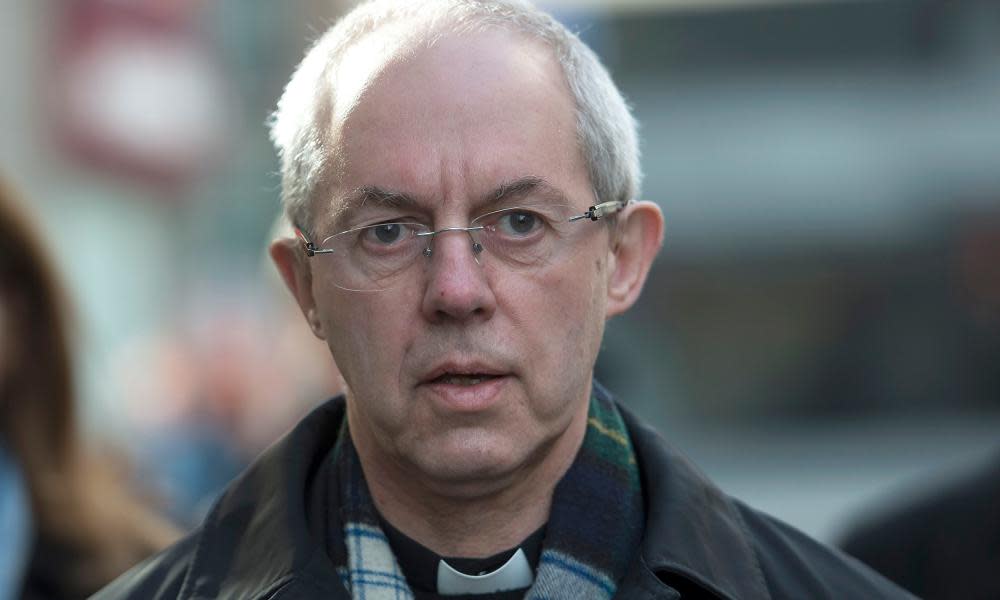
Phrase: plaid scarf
x=593 y=530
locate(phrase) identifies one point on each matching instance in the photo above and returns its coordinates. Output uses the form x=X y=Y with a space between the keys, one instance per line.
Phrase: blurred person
x=15 y=522
x=463 y=178
x=200 y=393
x=184 y=448
x=69 y=523
x=200 y=396
x=942 y=544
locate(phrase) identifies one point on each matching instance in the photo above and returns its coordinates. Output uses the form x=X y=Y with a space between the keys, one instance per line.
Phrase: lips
x=463 y=378
x=462 y=374
x=465 y=387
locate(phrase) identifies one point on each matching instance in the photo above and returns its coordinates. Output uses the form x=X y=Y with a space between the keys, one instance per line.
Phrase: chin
x=477 y=458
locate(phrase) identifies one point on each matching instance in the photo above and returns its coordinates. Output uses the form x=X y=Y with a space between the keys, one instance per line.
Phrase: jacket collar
x=261 y=534
x=694 y=532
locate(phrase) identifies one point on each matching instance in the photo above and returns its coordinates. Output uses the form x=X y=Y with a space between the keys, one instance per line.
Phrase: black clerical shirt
x=420 y=564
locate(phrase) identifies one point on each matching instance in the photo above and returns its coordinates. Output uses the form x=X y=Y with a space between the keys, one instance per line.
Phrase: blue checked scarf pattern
x=593 y=531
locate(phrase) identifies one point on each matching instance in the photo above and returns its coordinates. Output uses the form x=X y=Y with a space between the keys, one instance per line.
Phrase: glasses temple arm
x=309 y=247
x=600 y=210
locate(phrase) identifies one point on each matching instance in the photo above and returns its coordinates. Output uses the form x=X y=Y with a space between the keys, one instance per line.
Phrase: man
x=462 y=178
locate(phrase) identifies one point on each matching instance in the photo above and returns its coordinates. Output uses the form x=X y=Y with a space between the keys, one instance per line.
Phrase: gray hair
x=606 y=129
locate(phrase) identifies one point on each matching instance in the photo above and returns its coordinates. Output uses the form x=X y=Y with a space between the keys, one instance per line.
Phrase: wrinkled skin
x=447 y=125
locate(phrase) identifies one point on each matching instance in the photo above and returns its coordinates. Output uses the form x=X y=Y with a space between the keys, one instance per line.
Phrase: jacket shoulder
x=702 y=541
x=256 y=540
x=797 y=566
x=159 y=577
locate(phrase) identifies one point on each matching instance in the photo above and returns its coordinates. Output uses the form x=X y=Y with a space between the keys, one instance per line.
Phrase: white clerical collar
x=515 y=574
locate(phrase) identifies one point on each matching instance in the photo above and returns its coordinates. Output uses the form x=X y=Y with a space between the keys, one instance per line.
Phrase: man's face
x=448 y=126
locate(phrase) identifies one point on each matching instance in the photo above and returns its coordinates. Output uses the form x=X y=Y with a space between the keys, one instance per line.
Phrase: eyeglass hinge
x=604 y=208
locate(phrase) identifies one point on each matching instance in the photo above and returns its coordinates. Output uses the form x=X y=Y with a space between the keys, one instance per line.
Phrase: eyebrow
x=525 y=186
x=361 y=196
x=357 y=198
x=506 y=191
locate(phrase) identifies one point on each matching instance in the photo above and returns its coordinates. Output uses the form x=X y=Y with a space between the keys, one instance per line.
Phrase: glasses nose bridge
x=477 y=247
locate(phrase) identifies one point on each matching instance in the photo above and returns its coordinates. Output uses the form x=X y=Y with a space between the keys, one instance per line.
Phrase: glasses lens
x=369 y=258
x=373 y=257
x=525 y=236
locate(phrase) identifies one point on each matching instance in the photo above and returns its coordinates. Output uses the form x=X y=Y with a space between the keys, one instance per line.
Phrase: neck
x=475 y=520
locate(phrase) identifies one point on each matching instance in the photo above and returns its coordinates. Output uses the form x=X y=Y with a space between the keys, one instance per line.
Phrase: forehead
x=449 y=122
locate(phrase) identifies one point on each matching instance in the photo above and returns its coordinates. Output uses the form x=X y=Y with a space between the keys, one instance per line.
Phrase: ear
x=636 y=240
x=291 y=262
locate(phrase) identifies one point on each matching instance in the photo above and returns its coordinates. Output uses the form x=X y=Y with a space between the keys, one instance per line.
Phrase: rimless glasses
x=372 y=257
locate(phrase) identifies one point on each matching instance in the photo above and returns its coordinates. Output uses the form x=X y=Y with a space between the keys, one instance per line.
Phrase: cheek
x=352 y=324
x=562 y=312
x=588 y=290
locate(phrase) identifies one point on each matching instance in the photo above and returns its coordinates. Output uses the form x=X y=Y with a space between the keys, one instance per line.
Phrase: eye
x=519 y=222
x=386 y=234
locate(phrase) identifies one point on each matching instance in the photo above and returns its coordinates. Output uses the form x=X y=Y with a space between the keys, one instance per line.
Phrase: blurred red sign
x=138 y=91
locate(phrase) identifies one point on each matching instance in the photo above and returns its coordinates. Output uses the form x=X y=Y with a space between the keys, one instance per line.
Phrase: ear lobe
x=291 y=264
x=639 y=237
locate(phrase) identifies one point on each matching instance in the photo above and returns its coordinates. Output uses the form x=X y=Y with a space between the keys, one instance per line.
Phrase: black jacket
x=264 y=538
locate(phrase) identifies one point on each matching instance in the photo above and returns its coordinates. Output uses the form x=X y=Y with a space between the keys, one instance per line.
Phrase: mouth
x=466 y=388
x=464 y=373
x=463 y=379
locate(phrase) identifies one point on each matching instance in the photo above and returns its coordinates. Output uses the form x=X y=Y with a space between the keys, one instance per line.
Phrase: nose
x=458 y=288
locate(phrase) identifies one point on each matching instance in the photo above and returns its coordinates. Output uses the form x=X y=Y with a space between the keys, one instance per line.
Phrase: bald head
x=332 y=79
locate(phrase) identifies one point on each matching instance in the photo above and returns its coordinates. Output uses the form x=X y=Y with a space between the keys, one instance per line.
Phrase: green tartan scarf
x=592 y=534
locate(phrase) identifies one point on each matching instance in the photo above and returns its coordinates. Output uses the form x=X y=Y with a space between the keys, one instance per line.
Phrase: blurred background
x=821 y=332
